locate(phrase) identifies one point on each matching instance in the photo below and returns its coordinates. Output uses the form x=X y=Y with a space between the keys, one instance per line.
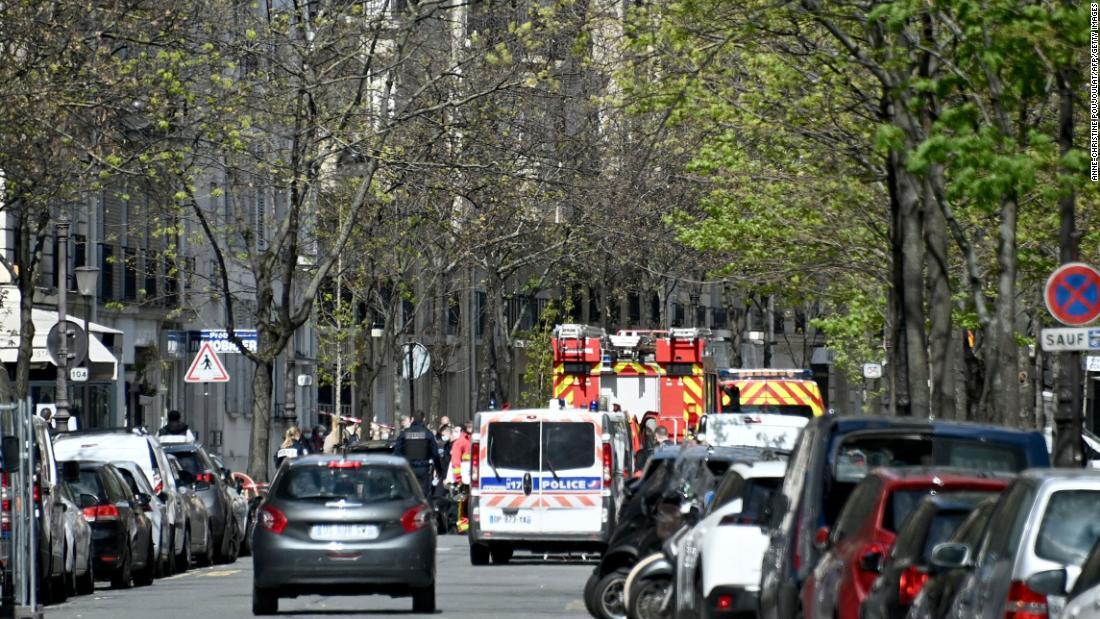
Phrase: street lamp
x=87 y=282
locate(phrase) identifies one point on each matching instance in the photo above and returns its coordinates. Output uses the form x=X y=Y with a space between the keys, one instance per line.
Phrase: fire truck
x=660 y=377
x=784 y=392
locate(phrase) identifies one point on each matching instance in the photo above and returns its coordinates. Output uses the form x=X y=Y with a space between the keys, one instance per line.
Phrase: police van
x=545 y=480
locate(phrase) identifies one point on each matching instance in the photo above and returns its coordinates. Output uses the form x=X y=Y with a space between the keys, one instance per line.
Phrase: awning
x=103 y=364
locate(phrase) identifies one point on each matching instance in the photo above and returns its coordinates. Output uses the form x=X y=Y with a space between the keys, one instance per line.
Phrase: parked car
x=145 y=453
x=80 y=574
x=237 y=501
x=253 y=493
x=344 y=526
x=122 y=535
x=210 y=485
x=908 y=565
x=156 y=510
x=944 y=581
x=855 y=550
x=835 y=452
x=1044 y=523
x=1083 y=600
x=712 y=581
x=198 y=544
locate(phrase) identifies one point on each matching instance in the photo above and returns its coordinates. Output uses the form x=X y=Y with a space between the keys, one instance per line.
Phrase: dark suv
x=200 y=471
x=835 y=453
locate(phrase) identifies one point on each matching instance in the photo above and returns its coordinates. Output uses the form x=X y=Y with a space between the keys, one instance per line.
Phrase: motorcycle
x=649 y=587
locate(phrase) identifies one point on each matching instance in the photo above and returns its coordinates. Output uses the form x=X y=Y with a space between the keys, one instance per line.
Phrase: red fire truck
x=664 y=378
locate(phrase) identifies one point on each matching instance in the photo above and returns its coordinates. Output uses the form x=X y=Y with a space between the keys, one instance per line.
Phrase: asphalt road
x=527 y=587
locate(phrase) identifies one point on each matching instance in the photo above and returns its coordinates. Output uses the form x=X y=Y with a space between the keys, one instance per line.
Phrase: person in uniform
x=292 y=447
x=417 y=445
x=459 y=475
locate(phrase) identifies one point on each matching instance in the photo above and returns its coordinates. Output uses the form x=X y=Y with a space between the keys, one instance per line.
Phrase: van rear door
x=571 y=476
x=508 y=472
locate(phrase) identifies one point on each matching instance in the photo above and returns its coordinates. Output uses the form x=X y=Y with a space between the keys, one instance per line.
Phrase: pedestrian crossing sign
x=206 y=368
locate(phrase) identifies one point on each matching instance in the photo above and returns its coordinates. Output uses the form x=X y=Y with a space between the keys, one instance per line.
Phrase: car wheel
x=123 y=576
x=144 y=578
x=86 y=584
x=501 y=554
x=589 y=589
x=183 y=559
x=206 y=559
x=608 y=595
x=170 y=556
x=424 y=599
x=479 y=554
x=264 y=601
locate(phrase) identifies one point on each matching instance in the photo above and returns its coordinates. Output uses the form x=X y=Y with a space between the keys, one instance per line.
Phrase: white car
x=768 y=430
x=718 y=566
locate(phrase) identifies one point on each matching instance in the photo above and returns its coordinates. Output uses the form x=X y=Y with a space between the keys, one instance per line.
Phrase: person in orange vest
x=459 y=474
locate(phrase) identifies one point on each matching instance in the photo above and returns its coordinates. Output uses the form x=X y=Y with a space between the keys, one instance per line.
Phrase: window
x=1001 y=538
x=721 y=318
x=564 y=445
x=365 y=484
x=728 y=489
x=107 y=272
x=129 y=274
x=1090 y=573
x=860 y=505
x=1070 y=528
x=152 y=264
x=861 y=453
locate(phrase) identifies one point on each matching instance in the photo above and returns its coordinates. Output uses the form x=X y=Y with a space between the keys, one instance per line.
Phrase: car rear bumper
x=742 y=602
x=329 y=567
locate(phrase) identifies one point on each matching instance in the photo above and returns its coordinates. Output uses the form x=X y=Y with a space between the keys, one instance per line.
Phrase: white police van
x=545 y=480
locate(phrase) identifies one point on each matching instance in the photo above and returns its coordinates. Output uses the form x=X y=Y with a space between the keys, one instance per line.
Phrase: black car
x=934 y=520
x=200 y=471
x=936 y=594
x=649 y=514
x=122 y=535
x=834 y=453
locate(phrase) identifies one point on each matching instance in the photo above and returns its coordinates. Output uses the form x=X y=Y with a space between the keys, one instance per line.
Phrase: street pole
x=409 y=367
x=62 y=397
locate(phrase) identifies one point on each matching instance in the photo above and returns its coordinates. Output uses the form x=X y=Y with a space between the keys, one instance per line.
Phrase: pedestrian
x=176 y=427
x=660 y=437
x=444 y=433
x=443 y=439
x=469 y=425
x=406 y=421
x=334 y=439
x=292 y=447
x=317 y=439
x=417 y=444
x=459 y=474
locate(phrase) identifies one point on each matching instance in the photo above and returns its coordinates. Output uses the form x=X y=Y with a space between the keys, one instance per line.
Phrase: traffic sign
x=1072 y=294
x=76 y=345
x=206 y=368
x=1092 y=363
x=78 y=375
x=419 y=363
x=1081 y=338
x=872 y=370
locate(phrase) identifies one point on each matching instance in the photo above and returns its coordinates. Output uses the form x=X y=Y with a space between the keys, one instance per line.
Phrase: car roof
x=747 y=454
x=366 y=458
x=965 y=500
x=1044 y=474
x=853 y=423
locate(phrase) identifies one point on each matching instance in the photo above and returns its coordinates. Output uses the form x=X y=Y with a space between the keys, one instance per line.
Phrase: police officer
x=417 y=444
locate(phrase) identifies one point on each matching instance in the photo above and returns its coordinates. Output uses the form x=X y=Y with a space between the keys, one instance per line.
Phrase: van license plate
x=521 y=516
x=343 y=532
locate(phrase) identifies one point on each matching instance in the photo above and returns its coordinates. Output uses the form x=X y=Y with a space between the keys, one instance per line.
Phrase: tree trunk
x=262 y=385
x=939 y=311
x=1002 y=396
x=912 y=275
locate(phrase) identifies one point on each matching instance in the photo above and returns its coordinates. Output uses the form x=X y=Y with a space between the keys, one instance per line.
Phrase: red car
x=855 y=550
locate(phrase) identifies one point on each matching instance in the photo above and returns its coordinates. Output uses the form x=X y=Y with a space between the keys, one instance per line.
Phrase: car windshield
x=565 y=445
x=189 y=461
x=858 y=455
x=1070 y=527
x=361 y=484
x=88 y=483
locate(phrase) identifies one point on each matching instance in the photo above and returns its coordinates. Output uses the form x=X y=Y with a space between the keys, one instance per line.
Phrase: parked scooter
x=649 y=587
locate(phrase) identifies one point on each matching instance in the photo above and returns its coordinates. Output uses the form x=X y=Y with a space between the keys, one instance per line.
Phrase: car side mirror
x=1049 y=582
x=143 y=499
x=822 y=539
x=163 y=496
x=70 y=471
x=871 y=562
x=950 y=555
x=88 y=500
x=9 y=454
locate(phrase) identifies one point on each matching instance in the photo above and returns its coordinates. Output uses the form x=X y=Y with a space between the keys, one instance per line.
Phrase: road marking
x=219 y=573
x=575 y=605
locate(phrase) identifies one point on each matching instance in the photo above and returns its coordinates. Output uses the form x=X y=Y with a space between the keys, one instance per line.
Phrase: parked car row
x=122 y=506
x=865 y=518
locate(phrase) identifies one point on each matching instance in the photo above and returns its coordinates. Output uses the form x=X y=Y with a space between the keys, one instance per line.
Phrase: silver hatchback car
x=334 y=525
